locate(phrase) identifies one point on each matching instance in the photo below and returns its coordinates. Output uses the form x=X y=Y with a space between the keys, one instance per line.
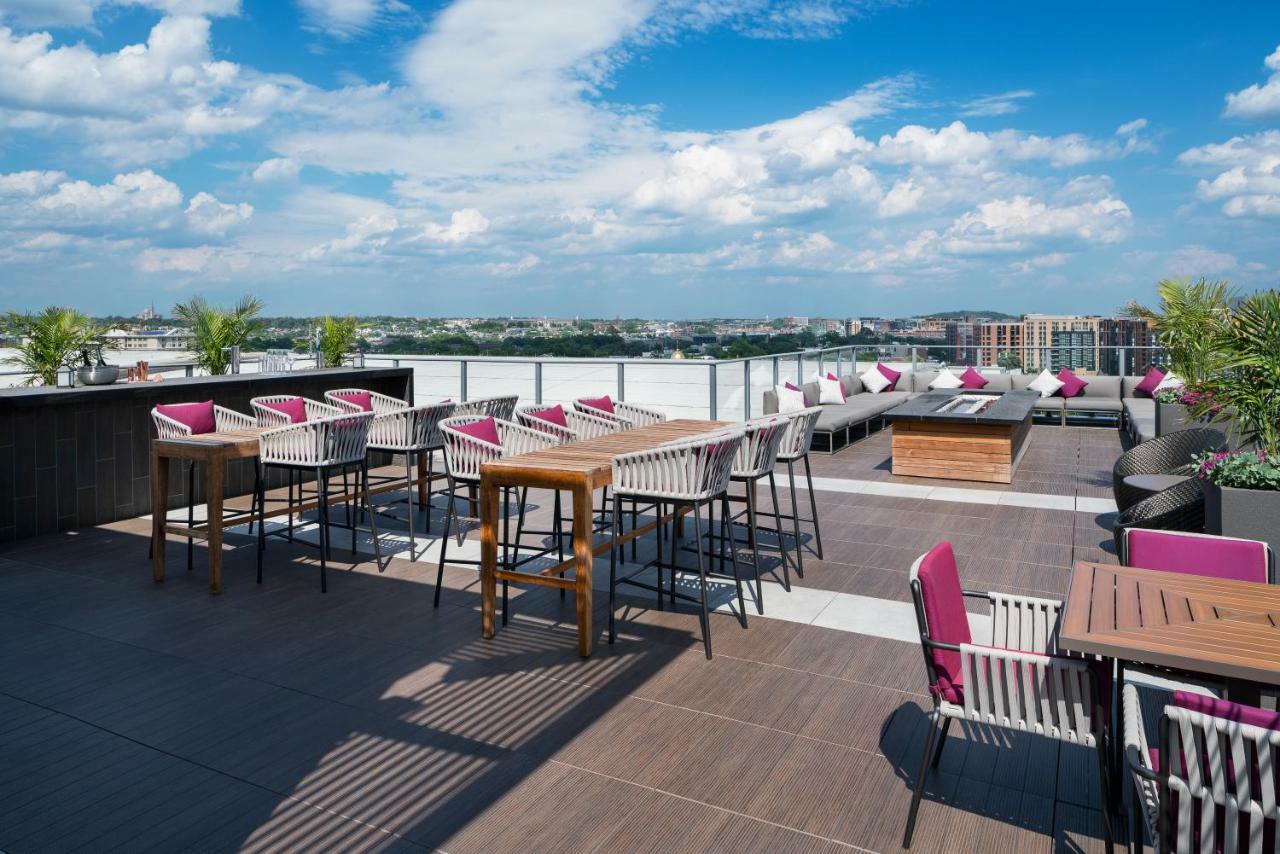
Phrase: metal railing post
x=746 y=389
x=776 y=377
x=622 y=381
x=462 y=380
x=822 y=362
x=913 y=361
x=800 y=368
x=537 y=383
x=714 y=402
x=839 y=361
x=1121 y=359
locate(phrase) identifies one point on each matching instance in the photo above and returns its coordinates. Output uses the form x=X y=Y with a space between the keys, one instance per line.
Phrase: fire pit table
x=961 y=435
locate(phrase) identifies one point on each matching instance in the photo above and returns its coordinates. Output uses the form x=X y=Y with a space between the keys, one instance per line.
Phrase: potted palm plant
x=51 y=340
x=217 y=330
x=1188 y=324
x=1242 y=490
x=337 y=339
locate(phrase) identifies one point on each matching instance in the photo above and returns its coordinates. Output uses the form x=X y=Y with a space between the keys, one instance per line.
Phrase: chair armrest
x=637 y=416
x=1025 y=623
x=587 y=426
x=229 y=419
x=1046 y=694
x=268 y=417
x=522 y=440
x=317 y=410
x=167 y=428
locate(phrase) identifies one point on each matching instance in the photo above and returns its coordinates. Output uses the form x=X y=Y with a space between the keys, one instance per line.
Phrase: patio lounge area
x=141 y=716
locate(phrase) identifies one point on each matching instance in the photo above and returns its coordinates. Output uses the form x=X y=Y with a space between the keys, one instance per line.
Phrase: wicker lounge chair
x=1173 y=453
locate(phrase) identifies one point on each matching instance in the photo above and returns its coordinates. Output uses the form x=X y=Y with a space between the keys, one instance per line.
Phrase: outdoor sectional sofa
x=840 y=423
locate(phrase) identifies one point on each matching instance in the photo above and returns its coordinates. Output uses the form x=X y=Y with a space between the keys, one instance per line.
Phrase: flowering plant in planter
x=1188 y=397
x=1241 y=470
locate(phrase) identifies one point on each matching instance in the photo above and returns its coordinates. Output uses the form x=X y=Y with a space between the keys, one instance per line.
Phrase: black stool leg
x=777 y=523
x=795 y=519
x=506 y=541
x=322 y=499
x=444 y=542
x=813 y=508
x=351 y=500
x=613 y=573
x=413 y=491
x=373 y=522
x=733 y=556
x=259 y=500
x=557 y=531
x=431 y=462
x=753 y=539
x=292 y=477
x=657 y=563
x=191 y=512
x=702 y=579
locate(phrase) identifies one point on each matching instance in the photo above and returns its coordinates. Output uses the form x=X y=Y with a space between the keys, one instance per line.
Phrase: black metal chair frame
x=1178 y=508
x=1169 y=454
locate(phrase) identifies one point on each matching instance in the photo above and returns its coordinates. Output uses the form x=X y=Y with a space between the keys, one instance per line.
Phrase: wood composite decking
x=142 y=717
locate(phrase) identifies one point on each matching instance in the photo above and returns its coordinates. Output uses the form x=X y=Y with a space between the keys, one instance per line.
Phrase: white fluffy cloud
x=1258 y=101
x=462 y=225
x=277 y=169
x=212 y=261
x=1248 y=173
x=127 y=197
x=997 y=105
x=1194 y=261
x=207 y=215
x=30 y=182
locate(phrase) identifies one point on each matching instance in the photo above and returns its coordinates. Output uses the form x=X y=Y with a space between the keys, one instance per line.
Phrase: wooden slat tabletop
x=592 y=459
x=1186 y=622
x=231 y=443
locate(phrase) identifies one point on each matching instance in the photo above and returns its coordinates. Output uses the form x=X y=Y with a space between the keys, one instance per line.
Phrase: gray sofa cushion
x=851 y=385
x=1128 y=385
x=1107 y=388
x=1093 y=404
x=1141 y=414
x=997 y=383
x=1049 y=404
x=834 y=417
x=811 y=393
x=919 y=381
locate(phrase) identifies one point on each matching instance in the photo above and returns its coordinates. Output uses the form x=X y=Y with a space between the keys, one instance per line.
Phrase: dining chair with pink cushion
x=1019 y=681
x=628 y=415
x=181 y=420
x=404 y=430
x=1198 y=554
x=278 y=410
x=1211 y=783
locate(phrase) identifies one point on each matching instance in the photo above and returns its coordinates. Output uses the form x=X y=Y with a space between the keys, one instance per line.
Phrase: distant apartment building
x=963 y=339
x=149 y=339
x=999 y=337
x=823 y=325
x=1057 y=341
x=876 y=324
x=852 y=326
x=1128 y=341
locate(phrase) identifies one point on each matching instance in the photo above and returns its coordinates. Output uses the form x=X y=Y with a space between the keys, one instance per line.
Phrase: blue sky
x=665 y=158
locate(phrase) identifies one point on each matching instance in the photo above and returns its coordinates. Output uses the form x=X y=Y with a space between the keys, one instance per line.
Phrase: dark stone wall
x=76 y=457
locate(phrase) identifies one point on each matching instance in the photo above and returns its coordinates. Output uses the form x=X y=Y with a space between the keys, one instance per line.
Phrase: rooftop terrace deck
x=146 y=717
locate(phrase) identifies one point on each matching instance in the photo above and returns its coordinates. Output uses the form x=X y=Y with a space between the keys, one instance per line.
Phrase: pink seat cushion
x=1227 y=710
x=198 y=417
x=946 y=617
x=1203 y=554
x=362 y=399
x=1147 y=387
x=552 y=414
x=1072 y=385
x=486 y=430
x=294 y=407
x=604 y=404
x=890 y=374
x=972 y=379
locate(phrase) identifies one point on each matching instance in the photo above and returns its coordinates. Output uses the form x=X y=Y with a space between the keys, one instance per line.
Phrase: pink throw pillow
x=604 y=404
x=294 y=407
x=552 y=414
x=362 y=399
x=1147 y=387
x=972 y=379
x=198 y=417
x=1072 y=385
x=890 y=374
x=486 y=430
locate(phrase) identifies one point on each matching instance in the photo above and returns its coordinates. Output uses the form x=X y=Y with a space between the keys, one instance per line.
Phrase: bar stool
x=690 y=473
x=278 y=410
x=399 y=428
x=795 y=446
x=628 y=414
x=470 y=441
x=320 y=446
x=754 y=462
x=501 y=407
x=179 y=420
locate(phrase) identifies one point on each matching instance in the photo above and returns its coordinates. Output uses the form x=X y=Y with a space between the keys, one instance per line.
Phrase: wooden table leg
x=583 y=557
x=159 y=512
x=422 y=477
x=488 y=555
x=213 y=497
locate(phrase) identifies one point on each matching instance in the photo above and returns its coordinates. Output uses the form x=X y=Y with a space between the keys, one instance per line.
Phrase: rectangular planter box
x=1253 y=514
x=1172 y=417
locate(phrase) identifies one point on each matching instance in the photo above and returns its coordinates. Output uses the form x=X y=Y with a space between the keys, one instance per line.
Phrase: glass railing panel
x=681 y=389
x=493 y=379
x=562 y=382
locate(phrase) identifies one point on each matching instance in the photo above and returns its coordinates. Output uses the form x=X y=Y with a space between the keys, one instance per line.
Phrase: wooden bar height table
x=1189 y=623
x=578 y=468
x=215 y=450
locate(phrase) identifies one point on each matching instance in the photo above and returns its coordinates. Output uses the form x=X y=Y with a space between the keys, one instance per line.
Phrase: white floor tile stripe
x=960 y=494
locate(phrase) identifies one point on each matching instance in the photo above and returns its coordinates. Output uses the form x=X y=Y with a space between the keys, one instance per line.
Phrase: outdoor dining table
x=578 y=468
x=214 y=451
x=1188 y=623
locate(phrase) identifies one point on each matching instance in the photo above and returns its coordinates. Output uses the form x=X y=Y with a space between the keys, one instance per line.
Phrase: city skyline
x=633 y=157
